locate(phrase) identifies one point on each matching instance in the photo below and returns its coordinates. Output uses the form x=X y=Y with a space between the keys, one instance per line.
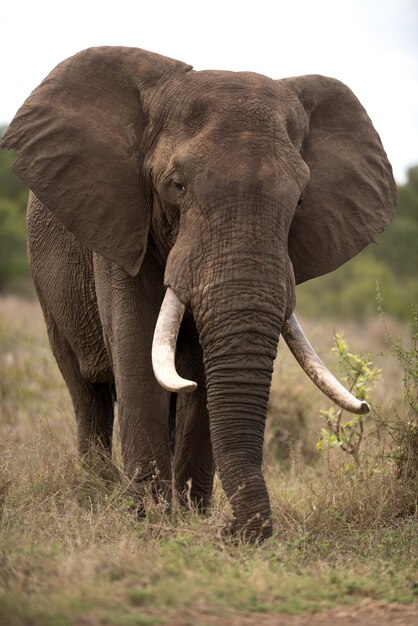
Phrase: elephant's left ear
x=351 y=194
x=80 y=143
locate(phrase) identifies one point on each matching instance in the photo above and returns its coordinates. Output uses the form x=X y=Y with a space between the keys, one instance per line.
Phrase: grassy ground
x=71 y=552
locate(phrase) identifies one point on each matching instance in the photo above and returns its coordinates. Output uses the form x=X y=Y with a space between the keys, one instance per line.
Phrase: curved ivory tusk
x=316 y=370
x=164 y=345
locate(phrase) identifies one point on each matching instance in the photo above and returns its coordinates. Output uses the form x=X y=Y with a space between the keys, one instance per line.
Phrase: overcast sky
x=372 y=45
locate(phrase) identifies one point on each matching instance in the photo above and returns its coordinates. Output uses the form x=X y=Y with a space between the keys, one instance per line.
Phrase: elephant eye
x=301 y=199
x=174 y=192
x=179 y=185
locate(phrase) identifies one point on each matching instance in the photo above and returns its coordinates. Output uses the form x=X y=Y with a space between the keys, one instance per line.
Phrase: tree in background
x=14 y=274
x=399 y=244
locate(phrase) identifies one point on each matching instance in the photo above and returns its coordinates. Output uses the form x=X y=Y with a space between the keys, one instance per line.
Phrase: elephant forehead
x=207 y=98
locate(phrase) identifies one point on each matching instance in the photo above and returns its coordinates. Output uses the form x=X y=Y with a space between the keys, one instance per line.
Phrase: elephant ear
x=351 y=194
x=79 y=138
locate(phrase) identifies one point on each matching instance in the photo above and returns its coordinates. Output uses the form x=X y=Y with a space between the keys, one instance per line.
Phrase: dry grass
x=71 y=552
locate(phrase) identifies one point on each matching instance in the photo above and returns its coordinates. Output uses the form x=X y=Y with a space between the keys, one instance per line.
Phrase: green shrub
x=350 y=291
x=361 y=376
x=13 y=256
x=405 y=432
x=14 y=274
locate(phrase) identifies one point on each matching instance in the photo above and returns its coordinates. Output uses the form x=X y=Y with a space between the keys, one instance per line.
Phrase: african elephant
x=149 y=178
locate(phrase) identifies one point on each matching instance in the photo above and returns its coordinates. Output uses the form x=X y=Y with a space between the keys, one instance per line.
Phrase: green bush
x=11 y=187
x=14 y=273
x=351 y=290
x=13 y=257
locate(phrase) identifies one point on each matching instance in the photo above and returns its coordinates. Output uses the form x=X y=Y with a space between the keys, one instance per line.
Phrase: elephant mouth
x=164 y=347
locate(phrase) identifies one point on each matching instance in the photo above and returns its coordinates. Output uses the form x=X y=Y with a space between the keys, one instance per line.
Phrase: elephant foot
x=147 y=497
x=229 y=531
x=193 y=500
x=144 y=508
x=99 y=463
x=252 y=532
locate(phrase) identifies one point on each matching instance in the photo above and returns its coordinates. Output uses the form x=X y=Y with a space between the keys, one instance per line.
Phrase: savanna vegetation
x=344 y=491
x=13 y=257
x=71 y=551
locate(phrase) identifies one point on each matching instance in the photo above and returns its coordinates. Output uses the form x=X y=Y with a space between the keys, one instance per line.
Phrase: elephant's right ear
x=79 y=140
x=351 y=194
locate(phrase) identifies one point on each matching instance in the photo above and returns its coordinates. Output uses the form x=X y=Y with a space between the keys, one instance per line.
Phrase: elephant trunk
x=239 y=333
x=239 y=346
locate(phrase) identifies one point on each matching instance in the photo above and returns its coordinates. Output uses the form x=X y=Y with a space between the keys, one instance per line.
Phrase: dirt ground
x=367 y=613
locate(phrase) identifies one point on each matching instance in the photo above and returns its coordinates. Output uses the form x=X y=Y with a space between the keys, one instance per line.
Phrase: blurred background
x=371 y=45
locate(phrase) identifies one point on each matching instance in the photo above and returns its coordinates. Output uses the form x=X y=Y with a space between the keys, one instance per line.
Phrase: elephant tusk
x=316 y=370
x=164 y=345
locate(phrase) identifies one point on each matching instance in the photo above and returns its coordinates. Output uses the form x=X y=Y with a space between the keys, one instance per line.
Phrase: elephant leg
x=63 y=277
x=93 y=402
x=143 y=422
x=193 y=459
x=129 y=309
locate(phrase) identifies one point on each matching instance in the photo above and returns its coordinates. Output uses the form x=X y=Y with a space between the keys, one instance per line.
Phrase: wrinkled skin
x=146 y=174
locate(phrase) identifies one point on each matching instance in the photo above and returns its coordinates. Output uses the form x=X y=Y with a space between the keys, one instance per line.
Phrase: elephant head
x=245 y=185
